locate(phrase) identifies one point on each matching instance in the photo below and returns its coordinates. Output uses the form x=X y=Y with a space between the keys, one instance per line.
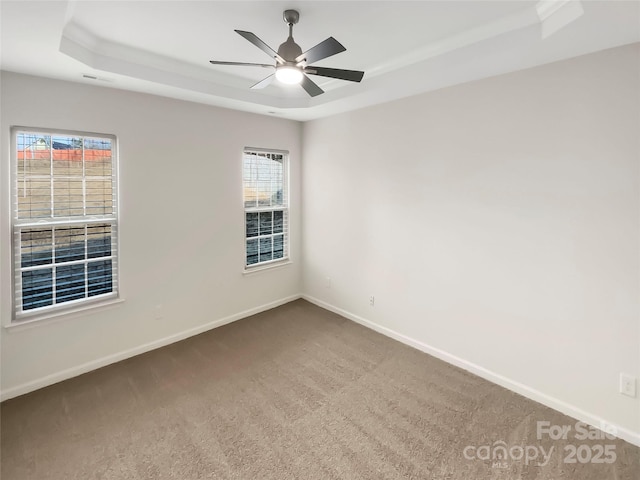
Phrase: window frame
x=31 y=316
x=285 y=207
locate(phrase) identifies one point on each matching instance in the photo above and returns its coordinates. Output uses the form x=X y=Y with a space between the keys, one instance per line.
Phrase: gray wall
x=497 y=225
x=181 y=229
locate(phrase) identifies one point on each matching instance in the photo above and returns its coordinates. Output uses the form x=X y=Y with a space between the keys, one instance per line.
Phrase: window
x=266 y=207
x=64 y=220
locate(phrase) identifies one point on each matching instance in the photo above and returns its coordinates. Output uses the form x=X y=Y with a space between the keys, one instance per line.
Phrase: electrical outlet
x=627 y=385
x=372 y=301
x=158 y=312
x=327 y=282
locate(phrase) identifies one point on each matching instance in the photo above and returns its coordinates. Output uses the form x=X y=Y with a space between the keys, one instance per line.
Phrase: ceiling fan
x=292 y=66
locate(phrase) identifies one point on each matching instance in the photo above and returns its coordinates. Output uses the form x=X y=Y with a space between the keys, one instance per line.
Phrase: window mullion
x=86 y=258
x=271 y=182
x=84 y=183
x=17 y=273
x=86 y=231
x=51 y=174
x=72 y=262
x=53 y=266
x=254 y=180
x=63 y=222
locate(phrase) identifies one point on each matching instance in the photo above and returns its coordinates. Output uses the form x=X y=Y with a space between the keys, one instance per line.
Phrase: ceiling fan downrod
x=289 y=50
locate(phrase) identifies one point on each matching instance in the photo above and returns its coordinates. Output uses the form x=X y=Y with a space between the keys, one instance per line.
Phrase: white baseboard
x=109 y=359
x=524 y=390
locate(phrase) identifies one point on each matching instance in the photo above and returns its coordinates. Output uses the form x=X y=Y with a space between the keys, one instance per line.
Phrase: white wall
x=497 y=225
x=181 y=230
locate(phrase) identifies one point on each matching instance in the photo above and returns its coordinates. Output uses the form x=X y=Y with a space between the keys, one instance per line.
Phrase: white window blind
x=65 y=222
x=266 y=206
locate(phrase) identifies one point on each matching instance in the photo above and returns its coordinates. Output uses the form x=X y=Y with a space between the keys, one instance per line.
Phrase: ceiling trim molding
x=506 y=24
x=81 y=45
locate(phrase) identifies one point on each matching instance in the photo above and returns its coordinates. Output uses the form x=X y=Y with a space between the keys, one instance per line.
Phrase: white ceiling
x=405 y=47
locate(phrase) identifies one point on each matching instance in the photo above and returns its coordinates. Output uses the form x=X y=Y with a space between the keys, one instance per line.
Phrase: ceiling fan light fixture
x=292 y=65
x=289 y=75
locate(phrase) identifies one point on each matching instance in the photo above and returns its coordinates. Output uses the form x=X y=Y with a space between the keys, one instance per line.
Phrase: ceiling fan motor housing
x=289 y=50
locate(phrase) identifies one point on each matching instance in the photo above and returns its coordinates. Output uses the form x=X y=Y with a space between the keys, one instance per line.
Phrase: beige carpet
x=293 y=393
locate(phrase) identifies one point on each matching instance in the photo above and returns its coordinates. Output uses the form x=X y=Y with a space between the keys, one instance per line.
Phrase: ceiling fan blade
x=261 y=45
x=324 y=49
x=264 y=82
x=310 y=86
x=242 y=64
x=351 y=75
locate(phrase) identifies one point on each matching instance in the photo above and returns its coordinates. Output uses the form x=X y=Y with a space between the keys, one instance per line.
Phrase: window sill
x=48 y=318
x=269 y=266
